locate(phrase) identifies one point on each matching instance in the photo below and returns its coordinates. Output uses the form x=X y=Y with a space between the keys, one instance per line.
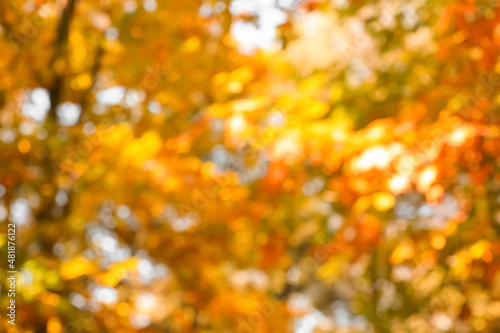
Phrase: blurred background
x=250 y=166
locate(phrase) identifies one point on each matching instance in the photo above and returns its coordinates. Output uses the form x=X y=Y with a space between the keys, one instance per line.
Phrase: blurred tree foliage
x=164 y=177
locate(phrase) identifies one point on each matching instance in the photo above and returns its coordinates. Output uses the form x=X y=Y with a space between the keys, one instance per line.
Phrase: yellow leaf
x=192 y=44
x=313 y=109
x=403 y=251
x=75 y=268
x=249 y=104
x=140 y=150
x=218 y=110
x=330 y=269
x=242 y=74
x=383 y=201
x=314 y=83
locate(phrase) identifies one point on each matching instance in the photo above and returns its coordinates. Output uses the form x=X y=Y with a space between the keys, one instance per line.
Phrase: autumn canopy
x=265 y=166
